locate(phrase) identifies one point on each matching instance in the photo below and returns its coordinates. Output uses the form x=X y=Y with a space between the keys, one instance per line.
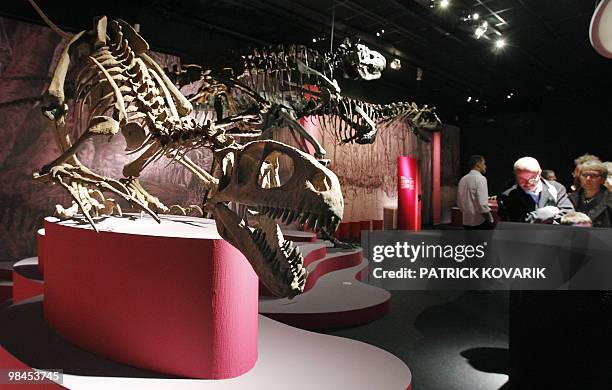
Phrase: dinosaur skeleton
x=296 y=81
x=126 y=91
x=350 y=126
x=285 y=76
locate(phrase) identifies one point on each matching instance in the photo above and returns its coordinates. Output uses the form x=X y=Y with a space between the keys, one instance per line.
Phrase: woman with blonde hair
x=593 y=198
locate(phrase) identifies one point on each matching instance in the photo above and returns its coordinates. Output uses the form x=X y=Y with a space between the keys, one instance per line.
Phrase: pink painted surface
x=408 y=203
x=297 y=236
x=355 y=234
x=24 y=288
x=365 y=225
x=435 y=179
x=332 y=264
x=344 y=231
x=184 y=304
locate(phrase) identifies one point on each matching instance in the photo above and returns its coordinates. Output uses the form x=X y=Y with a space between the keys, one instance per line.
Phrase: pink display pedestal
x=365 y=225
x=171 y=297
x=27 y=279
x=344 y=231
x=355 y=234
x=377 y=224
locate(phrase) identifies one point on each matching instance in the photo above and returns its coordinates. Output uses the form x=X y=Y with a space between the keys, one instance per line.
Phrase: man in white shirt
x=473 y=196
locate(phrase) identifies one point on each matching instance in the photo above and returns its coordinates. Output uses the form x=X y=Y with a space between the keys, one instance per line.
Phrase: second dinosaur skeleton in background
x=296 y=81
x=345 y=130
x=119 y=88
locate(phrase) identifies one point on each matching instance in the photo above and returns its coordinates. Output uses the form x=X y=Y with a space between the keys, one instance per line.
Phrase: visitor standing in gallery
x=473 y=196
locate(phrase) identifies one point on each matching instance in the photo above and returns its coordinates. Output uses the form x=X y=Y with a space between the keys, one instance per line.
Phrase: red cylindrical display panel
x=172 y=297
x=408 y=197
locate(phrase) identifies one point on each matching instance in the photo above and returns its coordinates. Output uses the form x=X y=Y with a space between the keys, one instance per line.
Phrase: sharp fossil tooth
x=290 y=216
x=295 y=215
x=304 y=218
x=312 y=221
x=303 y=275
x=285 y=216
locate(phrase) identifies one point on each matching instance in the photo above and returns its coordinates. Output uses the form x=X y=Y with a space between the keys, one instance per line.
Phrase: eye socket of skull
x=249 y=163
x=275 y=170
x=320 y=182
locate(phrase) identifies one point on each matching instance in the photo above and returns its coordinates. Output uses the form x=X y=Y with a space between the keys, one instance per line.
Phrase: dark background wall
x=555 y=131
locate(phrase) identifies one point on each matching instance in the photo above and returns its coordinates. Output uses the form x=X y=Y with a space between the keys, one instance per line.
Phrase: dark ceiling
x=547 y=52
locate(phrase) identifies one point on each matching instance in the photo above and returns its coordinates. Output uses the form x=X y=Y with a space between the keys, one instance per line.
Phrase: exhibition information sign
x=513 y=257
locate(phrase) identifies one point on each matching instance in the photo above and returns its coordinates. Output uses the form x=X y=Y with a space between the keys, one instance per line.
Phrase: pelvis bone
x=275 y=182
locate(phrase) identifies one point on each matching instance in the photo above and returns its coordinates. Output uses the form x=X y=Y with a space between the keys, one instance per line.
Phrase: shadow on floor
x=26 y=335
x=449 y=339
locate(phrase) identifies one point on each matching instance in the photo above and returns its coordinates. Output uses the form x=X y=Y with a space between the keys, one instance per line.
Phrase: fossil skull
x=360 y=62
x=275 y=182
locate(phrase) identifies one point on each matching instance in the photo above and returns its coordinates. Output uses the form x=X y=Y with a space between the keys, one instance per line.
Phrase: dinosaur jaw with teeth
x=275 y=182
x=278 y=262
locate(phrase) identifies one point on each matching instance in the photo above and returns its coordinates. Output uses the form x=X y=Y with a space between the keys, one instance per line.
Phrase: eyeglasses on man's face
x=527 y=177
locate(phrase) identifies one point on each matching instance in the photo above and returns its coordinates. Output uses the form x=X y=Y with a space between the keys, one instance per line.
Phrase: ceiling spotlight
x=481 y=29
x=377 y=34
x=469 y=99
x=382 y=31
x=500 y=43
x=475 y=16
x=396 y=64
x=444 y=3
x=314 y=40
